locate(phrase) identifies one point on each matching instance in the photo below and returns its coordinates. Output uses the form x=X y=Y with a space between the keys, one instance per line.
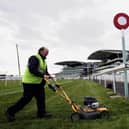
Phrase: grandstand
x=108 y=58
x=75 y=69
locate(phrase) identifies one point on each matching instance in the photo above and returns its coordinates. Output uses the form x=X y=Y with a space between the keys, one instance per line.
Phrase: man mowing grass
x=33 y=85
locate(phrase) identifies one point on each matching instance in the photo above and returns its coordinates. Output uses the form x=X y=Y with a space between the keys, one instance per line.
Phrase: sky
x=70 y=29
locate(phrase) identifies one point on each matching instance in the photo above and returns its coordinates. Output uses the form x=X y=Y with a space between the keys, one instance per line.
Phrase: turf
x=76 y=89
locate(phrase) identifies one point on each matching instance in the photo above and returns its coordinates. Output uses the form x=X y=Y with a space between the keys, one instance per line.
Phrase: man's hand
x=46 y=77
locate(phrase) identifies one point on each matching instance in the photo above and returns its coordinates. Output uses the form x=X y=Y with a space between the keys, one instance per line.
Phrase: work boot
x=10 y=117
x=45 y=115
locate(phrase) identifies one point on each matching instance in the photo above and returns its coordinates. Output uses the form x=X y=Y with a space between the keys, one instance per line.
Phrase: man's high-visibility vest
x=28 y=77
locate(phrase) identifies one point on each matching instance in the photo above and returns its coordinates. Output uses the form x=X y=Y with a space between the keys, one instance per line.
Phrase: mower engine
x=91 y=102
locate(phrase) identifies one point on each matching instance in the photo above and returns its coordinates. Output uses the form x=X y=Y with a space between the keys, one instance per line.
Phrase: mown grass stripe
x=11 y=92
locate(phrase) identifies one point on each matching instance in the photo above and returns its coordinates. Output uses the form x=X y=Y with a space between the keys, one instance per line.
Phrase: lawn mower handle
x=52 y=85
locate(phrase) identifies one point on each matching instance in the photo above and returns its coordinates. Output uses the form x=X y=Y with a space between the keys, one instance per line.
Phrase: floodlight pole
x=124 y=62
x=18 y=61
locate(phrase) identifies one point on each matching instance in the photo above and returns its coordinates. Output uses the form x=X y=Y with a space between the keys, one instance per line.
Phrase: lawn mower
x=91 y=110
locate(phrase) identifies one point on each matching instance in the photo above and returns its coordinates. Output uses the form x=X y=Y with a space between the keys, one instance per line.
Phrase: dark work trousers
x=30 y=91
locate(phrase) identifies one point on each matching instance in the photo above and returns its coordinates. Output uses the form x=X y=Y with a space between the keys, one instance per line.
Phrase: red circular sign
x=121 y=21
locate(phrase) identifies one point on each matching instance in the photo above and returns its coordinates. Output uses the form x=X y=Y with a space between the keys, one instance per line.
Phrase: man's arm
x=47 y=73
x=33 y=65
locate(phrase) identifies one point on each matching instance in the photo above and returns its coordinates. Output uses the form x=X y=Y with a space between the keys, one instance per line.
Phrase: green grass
x=76 y=89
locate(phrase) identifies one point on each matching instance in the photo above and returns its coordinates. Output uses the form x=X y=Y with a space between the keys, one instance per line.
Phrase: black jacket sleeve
x=47 y=73
x=33 y=65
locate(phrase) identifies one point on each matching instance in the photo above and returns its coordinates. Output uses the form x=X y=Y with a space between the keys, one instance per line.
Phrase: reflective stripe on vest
x=28 y=77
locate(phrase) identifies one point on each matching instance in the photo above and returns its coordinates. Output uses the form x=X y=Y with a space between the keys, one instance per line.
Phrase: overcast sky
x=71 y=29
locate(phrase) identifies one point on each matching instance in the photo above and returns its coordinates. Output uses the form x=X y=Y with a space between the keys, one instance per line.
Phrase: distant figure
x=33 y=84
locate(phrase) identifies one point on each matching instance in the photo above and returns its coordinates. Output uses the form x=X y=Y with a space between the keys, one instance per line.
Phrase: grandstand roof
x=71 y=63
x=105 y=54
